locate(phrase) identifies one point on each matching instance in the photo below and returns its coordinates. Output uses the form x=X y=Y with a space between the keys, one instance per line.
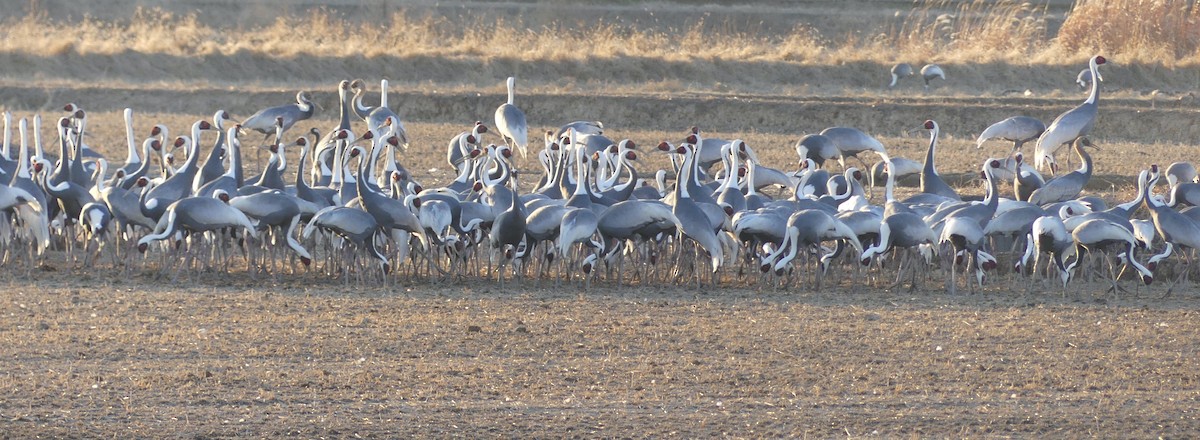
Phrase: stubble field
x=91 y=351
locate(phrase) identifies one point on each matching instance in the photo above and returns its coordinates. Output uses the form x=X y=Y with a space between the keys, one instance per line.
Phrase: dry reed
x=1161 y=32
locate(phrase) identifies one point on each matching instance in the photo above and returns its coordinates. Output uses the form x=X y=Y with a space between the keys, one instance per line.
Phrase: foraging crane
x=510 y=122
x=852 y=141
x=931 y=72
x=1017 y=129
x=264 y=120
x=1048 y=235
x=1176 y=229
x=1097 y=234
x=1071 y=124
x=966 y=235
x=199 y=214
x=903 y=230
x=817 y=147
x=354 y=225
x=900 y=71
x=278 y=211
x=810 y=227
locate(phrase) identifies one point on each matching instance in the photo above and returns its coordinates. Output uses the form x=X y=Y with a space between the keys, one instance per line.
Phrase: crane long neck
x=889 y=189
x=98 y=174
x=929 y=153
x=731 y=174
x=234 y=160
x=300 y=166
x=1137 y=199
x=22 y=160
x=581 y=177
x=991 y=200
x=685 y=177
x=1085 y=159
x=343 y=110
x=1094 y=96
x=194 y=148
x=7 y=136
x=129 y=138
x=511 y=86
x=751 y=166
x=38 y=152
x=383 y=92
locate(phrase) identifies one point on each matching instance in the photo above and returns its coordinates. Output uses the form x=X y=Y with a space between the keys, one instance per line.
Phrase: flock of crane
x=353 y=209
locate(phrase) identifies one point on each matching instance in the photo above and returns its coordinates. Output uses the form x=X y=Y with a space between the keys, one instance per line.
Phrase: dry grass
x=982 y=41
x=1162 y=31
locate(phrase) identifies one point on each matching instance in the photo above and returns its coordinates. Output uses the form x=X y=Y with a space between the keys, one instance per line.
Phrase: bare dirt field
x=91 y=351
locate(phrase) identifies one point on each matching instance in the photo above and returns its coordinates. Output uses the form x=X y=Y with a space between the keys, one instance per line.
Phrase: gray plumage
x=1017 y=129
x=817 y=147
x=1071 y=124
x=510 y=122
x=931 y=181
x=263 y=121
x=900 y=71
x=852 y=141
x=931 y=72
x=1067 y=186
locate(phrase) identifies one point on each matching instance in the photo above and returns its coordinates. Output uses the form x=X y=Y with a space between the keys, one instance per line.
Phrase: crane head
x=930 y=125
x=664 y=146
x=630 y=155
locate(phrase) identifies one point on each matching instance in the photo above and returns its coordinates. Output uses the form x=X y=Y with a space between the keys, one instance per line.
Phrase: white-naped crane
x=1017 y=129
x=1048 y=236
x=903 y=232
x=353 y=225
x=900 y=71
x=508 y=233
x=931 y=181
x=1100 y=235
x=276 y=214
x=263 y=121
x=817 y=147
x=1026 y=180
x=1067 y=186
x=806 y=229
x=930 y=72
x=510 y=122
x=196 y=216
x=1176 y=230
x=850 y=142
x=1071 y=124
x=693 y=221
